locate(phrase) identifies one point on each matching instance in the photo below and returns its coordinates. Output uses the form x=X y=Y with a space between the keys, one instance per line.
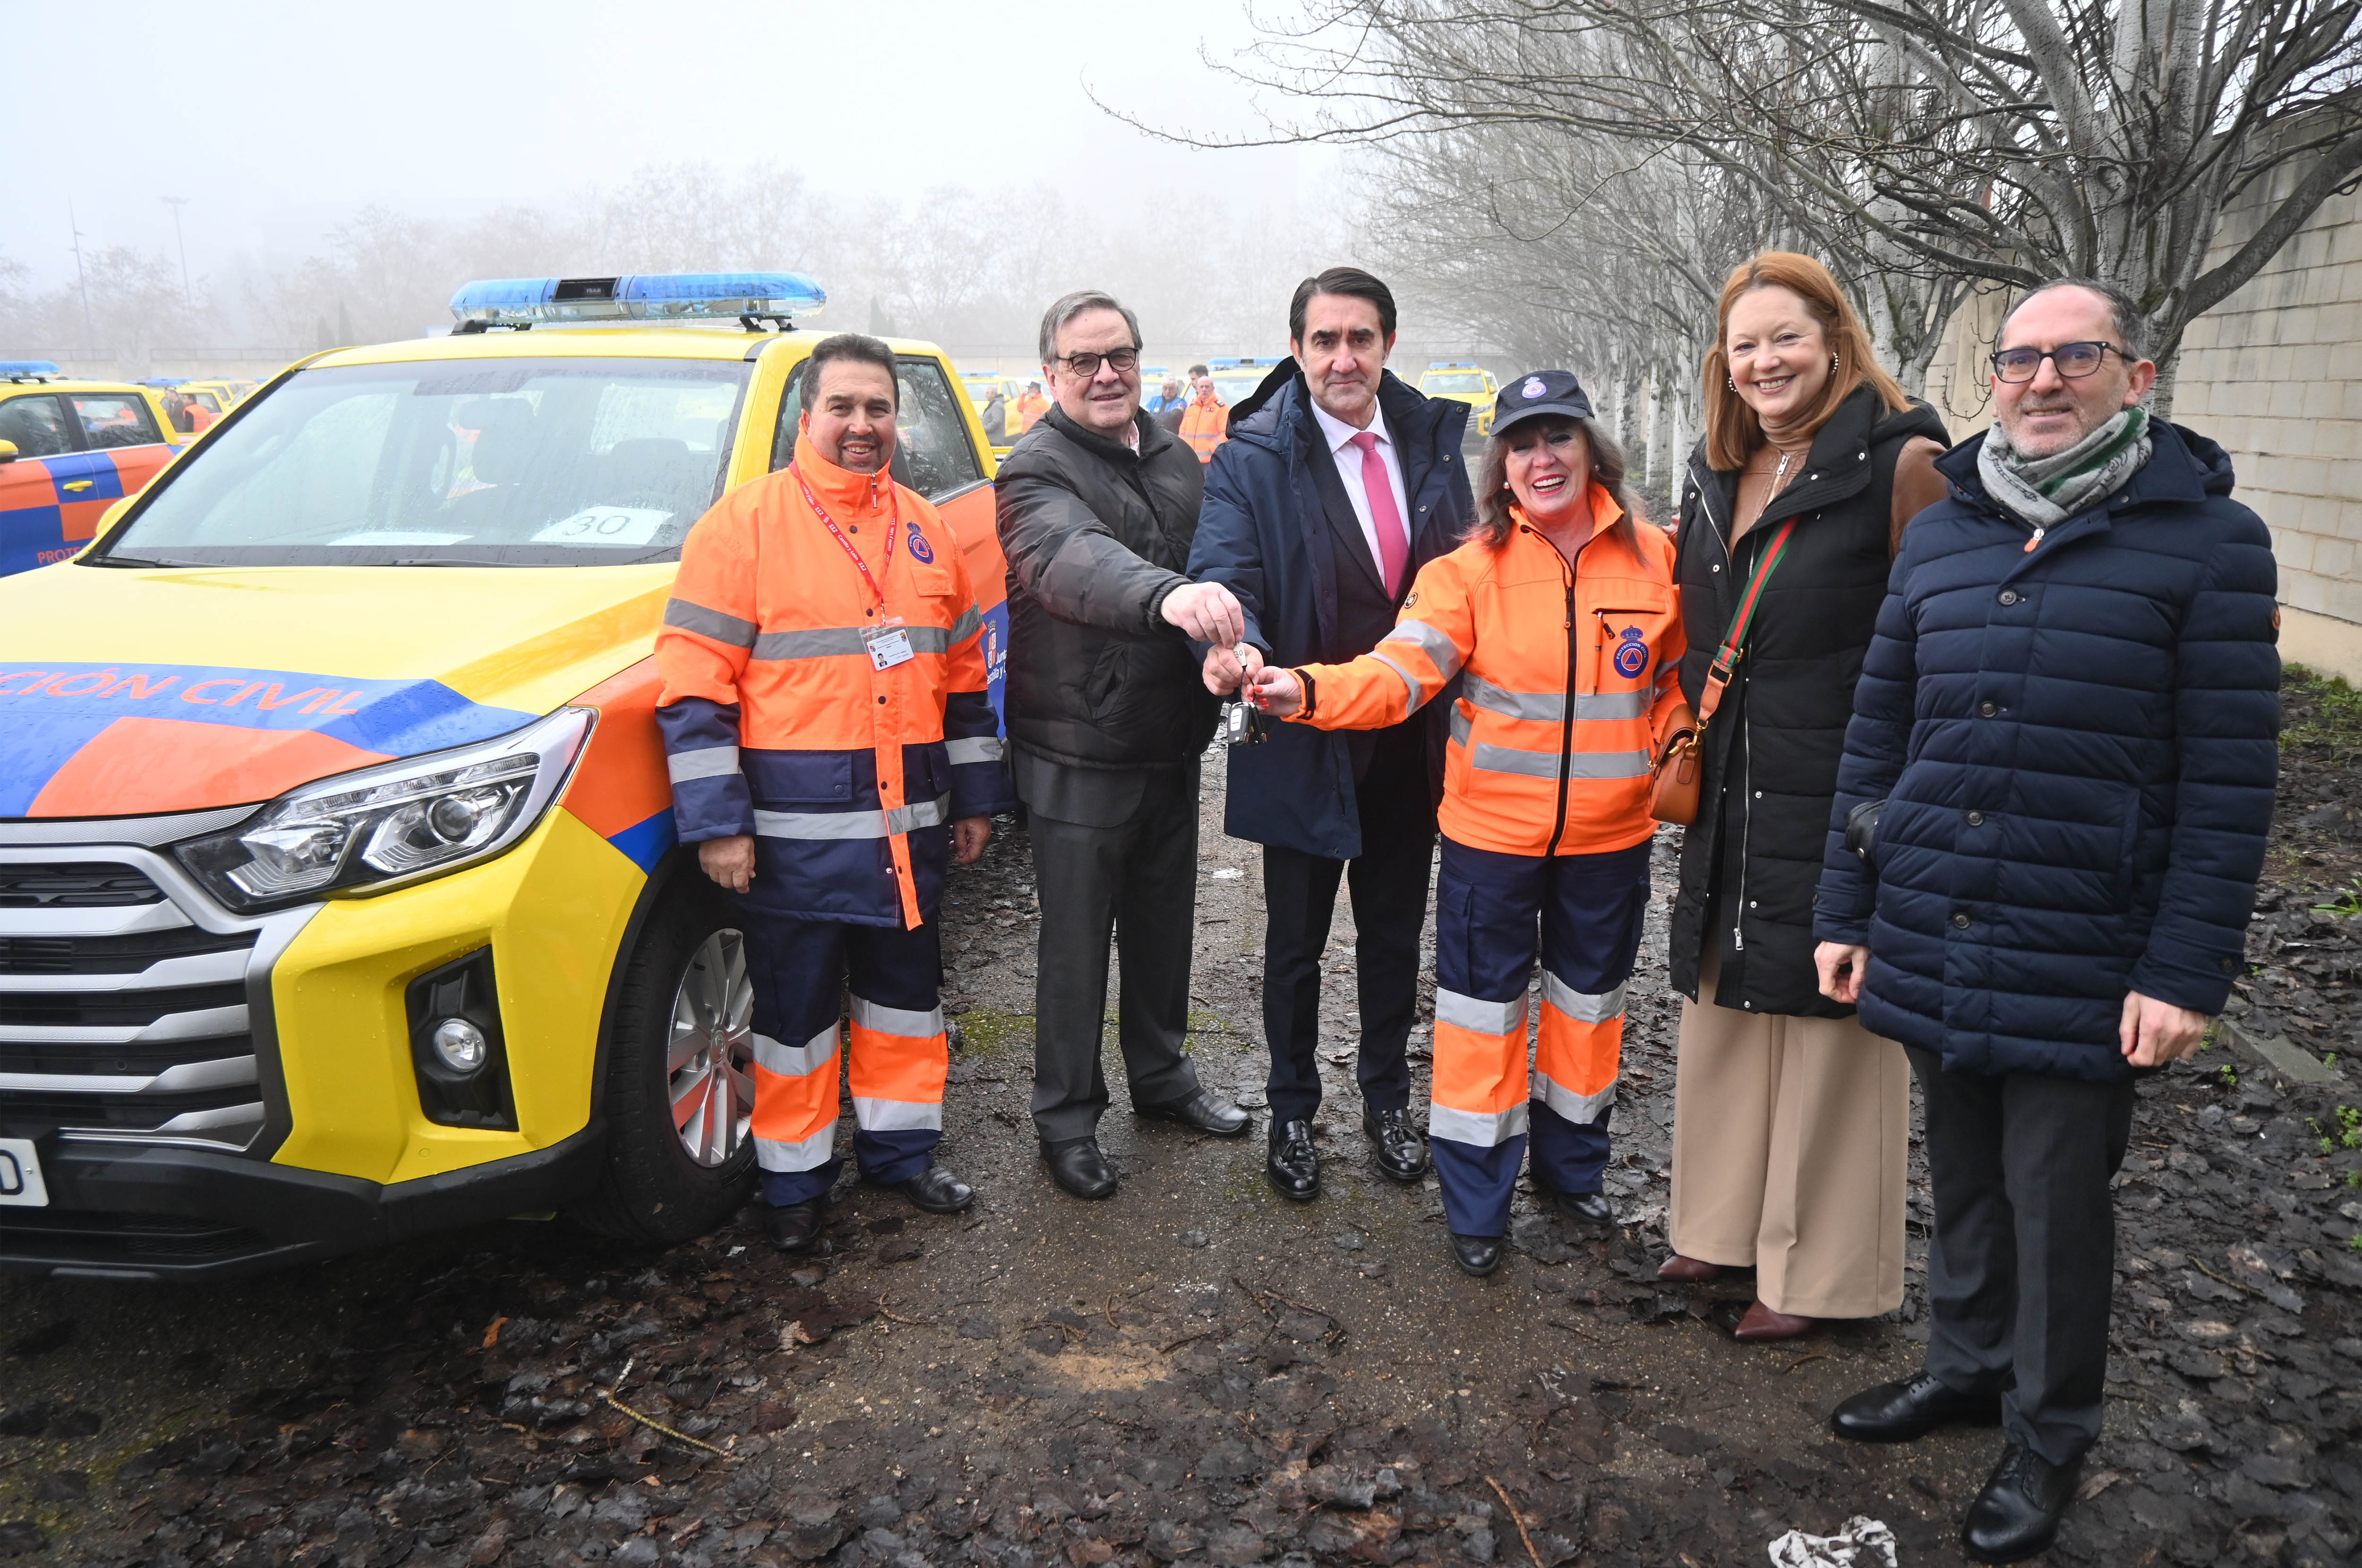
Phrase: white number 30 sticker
x=605 y=526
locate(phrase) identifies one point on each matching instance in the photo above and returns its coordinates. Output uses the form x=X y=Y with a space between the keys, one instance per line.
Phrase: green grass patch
x=2321 y=711
x=992 y=1033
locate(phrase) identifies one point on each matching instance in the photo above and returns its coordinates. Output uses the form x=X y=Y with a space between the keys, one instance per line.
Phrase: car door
x=32 y=515
x=123 y=447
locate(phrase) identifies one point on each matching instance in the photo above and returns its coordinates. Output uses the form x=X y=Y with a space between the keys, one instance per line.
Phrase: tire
x=683 y=1035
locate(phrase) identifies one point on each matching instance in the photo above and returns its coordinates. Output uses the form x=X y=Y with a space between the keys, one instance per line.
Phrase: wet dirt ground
x=1198 y=1372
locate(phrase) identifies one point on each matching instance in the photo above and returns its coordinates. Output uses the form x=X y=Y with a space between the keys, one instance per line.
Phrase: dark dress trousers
x=1357 y=806
x=1107 y=717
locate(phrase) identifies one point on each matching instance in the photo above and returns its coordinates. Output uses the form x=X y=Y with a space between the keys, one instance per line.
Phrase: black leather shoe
x=1203 y=1111
x=2018 y=1512
x=937 y=1191
x=1479 y=1255
x=1293 y=1166
x=1076 y=1164
x=1898 y=1412
x=1591 y=1208
x=795 y=1227
x=1401 y=1147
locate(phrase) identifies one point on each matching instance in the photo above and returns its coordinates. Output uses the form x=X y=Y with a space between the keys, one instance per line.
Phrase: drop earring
x=1730 y=384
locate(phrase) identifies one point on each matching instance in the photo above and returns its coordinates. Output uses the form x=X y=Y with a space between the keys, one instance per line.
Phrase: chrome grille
x=121 y=1016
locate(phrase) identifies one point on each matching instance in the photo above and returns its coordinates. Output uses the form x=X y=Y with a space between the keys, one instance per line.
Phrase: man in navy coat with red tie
x=1338 y=482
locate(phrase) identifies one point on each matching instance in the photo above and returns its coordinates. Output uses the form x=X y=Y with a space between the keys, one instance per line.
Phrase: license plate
x=20 y=1176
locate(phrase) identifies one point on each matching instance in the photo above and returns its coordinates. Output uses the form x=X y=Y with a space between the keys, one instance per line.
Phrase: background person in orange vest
x=824 y=716
x=1561 y=611
x=1205 y=423
x=1031 y=406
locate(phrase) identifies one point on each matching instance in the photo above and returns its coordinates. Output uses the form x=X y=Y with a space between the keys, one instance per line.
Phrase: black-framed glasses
x=2075 y=360
x=1088 y=365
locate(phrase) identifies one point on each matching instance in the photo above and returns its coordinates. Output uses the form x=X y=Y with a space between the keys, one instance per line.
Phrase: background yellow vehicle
x=1235 y=379
x=340 y=897
x=1463 y=380
x=70 y=450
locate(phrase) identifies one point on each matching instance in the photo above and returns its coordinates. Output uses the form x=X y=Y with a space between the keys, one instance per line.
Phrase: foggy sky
x=278 y=120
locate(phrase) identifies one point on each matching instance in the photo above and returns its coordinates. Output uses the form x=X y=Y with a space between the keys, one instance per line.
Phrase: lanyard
x=893 y=526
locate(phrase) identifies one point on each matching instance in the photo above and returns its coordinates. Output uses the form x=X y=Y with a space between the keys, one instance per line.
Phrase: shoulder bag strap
x=1734 y=642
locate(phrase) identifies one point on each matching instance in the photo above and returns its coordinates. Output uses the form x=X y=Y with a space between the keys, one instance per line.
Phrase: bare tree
x=1921 y=145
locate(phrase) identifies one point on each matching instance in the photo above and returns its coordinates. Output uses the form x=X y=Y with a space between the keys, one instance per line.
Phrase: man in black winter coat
x=1107 y=717
x=2067 y=726
x=1336 y=484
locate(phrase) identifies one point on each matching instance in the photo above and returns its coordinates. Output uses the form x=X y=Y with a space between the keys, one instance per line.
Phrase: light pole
x=176 y=203
x=89 y=333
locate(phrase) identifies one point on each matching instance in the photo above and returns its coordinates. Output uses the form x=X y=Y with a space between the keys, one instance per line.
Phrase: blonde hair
x=1733 y=433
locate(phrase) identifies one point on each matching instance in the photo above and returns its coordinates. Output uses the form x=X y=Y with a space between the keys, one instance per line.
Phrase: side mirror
x=7 y=451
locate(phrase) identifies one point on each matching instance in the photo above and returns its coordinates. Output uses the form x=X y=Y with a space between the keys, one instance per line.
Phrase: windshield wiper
x=140 y=561
x=445 y=560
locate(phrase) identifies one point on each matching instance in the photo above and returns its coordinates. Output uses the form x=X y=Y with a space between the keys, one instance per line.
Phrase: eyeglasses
x=1088 y=365
x=2075 y=360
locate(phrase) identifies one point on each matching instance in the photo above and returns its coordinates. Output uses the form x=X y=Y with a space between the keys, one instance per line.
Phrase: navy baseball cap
x=1543 y=392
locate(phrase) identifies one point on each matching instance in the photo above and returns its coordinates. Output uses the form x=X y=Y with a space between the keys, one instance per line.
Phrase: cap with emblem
x=1544 y=391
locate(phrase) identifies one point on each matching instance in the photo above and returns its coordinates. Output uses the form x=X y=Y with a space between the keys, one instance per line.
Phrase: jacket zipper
x=1566 y=714
x=1705 y=482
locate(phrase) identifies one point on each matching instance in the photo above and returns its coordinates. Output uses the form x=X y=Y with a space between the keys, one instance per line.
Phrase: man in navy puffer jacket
x=2070 y=713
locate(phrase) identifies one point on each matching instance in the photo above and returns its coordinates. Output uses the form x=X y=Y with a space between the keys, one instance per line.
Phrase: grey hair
x=2124 y=311
x=1068 y=307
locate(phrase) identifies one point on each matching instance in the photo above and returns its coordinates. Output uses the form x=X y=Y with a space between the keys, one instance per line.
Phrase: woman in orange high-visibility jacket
x=826 y=730
x=1560 y=616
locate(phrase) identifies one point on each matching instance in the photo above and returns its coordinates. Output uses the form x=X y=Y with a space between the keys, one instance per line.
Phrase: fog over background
x=939 y=167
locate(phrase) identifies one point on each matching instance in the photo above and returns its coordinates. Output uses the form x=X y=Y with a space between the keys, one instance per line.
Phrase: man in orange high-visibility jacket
x=1031 y=406
x=825 y=717
x=1560 y=616
x=1205 y=423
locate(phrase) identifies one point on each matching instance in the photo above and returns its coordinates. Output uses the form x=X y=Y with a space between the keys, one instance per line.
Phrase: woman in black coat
x=1791 y=1124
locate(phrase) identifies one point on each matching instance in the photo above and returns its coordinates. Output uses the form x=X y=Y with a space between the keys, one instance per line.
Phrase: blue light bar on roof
x=651 y=296
x=28 y=367
x=1453 y=365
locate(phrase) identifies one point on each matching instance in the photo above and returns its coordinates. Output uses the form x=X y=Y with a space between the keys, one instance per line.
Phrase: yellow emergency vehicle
x=1463 y=380
x=979 y=386
x=70 y=450
x=339 y=896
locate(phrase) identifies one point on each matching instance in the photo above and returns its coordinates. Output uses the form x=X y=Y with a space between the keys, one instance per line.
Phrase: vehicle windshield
x=495 y=462
x=1442 y=383
x=1234 y=386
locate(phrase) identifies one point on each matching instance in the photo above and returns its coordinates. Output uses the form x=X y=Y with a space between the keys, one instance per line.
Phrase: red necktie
x=1394 y=544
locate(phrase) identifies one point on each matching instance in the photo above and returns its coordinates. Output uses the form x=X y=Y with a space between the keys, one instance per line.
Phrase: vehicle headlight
x=393 y=823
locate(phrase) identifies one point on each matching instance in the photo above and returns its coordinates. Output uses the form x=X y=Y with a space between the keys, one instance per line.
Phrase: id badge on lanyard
x=888 y=643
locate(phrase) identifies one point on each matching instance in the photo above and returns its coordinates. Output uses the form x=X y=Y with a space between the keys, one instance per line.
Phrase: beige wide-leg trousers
x=1791 y=1145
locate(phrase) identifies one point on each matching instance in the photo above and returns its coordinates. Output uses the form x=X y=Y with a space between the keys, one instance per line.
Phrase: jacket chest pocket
x=1627 y=636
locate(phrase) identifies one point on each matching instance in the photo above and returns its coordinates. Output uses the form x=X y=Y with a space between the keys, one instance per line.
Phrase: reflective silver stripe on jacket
x=1438 y=648
x=852 y=825
x=705 y=762
x=835 y=642
x=970 y=622
x=1550 y=706
x=1418 y=696
x=974 y=749
x=796 y=1061
x=688 y=617
x=1483 y=1017
x=1583 y=1006
x=1483 y=1128
x=1490 y=759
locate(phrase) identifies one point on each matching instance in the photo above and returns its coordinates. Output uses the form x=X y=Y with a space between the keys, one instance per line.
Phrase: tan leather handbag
x=1675 y=779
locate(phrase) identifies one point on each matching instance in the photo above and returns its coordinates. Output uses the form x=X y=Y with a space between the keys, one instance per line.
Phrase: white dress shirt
x=1339 y=436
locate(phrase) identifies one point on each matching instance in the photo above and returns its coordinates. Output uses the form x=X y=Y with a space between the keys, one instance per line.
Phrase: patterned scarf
x=2045 y=492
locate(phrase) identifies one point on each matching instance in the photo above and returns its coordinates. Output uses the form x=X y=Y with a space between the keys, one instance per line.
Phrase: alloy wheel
x=711 y=1061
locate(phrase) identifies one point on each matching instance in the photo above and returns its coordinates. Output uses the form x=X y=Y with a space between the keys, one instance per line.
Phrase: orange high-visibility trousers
x=894 y=1057
x=1486 y=1104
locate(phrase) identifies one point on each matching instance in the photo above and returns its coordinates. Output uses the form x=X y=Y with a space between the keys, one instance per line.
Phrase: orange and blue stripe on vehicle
x=84 y=738
x=619 y=789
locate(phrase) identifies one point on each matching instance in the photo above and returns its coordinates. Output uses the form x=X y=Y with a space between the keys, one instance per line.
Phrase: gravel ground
x=1198 y=1372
